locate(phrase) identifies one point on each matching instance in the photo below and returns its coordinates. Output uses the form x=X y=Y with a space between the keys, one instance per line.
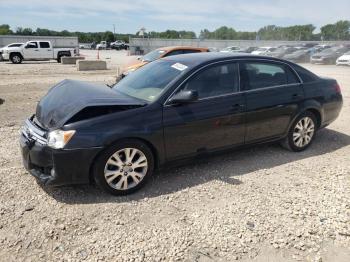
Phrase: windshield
x=154 y=55
x=330 y=50
x=149 y=81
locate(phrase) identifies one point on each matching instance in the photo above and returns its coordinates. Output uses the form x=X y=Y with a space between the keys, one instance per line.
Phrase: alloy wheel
x=16 y=59
x=303 y=132
x=126 y=168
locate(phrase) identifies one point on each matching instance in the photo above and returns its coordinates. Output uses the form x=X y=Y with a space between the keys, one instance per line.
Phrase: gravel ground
x=261 y=203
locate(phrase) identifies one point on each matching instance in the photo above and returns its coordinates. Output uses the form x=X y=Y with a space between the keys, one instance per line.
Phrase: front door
x=215 y=121
x=273 y=92
x=31 y=51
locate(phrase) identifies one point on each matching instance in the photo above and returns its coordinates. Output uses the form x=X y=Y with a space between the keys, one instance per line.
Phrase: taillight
x=336 y=87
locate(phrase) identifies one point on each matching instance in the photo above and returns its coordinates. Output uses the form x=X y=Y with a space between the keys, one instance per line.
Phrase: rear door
x=46 y=52
x=274 y=93
x=213 y=122
x=31 y=50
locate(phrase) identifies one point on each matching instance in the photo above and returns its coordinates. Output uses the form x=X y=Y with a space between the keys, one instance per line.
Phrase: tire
x=299 y=139
x=117 y=175
x=16 y=58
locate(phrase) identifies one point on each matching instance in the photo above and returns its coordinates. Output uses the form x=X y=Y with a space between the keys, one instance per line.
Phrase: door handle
x=297 y=96
x=237 y=107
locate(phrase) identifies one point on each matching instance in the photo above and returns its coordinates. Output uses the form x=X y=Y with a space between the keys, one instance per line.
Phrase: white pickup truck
x=36 y=50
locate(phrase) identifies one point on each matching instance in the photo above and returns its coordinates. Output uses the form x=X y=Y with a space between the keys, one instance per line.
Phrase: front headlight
x=58 y=139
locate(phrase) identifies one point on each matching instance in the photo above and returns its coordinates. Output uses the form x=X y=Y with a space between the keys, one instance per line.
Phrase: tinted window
x=44 y=45
x=188 y=51
x=149 y=81
x=154 y=55
x=257 y=75
x=304 y=74
x=214 y=81
x=175 y=52
x=32 y=45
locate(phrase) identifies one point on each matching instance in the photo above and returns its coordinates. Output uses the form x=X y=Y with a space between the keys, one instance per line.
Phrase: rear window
x=44 y=45
x=255 y=75
x=305 y=75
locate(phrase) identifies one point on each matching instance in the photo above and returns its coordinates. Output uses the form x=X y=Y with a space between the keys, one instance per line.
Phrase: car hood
x=69 y=97
x=345 y=57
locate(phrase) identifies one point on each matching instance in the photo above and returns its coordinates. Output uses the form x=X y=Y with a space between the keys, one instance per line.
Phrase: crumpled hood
x=69 y=97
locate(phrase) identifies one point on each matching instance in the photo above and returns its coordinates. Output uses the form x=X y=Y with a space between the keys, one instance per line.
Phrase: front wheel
x=16 y=59
x=124 y=167
x=302 y=133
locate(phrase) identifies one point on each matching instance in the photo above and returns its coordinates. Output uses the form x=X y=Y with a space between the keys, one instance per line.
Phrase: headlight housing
x=59 y=138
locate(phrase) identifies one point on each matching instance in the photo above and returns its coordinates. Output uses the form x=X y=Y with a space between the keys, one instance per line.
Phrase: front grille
x=32 y=132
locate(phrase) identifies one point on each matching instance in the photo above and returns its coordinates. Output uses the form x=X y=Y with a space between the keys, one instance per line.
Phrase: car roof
x=172 y=48
x=196 y=59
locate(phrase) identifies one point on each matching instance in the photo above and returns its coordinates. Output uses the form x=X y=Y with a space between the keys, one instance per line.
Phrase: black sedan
x=169 y=110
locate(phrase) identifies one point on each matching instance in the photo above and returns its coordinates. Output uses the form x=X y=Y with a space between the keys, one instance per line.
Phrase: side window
x=189 y=51
x=44 y=45
x=305 y=75
x=255 y=75
x=32 y=45
x=175 y=52
x=214 y=81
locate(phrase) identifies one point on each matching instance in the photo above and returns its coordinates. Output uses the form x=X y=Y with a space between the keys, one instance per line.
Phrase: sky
x=129 y=16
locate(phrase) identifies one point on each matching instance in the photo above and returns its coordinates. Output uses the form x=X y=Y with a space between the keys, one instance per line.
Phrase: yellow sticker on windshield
x=179 y=66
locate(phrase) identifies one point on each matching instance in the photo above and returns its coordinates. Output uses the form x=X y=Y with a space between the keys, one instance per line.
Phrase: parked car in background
x=101 y=45
x=230 y=49
x=85 y=46
x=329 y=56
x=299 y=56
x=344 y=59
x=9 y=47
x=160 y=53
x=172 y=109
x=264 y=50
x=281 y=51
x=248 y=49
x=38 y=51
x=319 y=48
x=119 y=45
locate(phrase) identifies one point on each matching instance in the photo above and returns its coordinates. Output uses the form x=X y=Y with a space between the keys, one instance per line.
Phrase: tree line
x=330 y=32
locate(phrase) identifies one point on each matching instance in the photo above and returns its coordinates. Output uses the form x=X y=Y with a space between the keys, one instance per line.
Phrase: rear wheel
x=301 y=133
x=124 y=167
x=16 y=58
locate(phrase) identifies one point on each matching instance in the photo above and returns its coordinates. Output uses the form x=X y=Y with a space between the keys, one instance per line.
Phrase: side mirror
x=139 y=58
x=26 y=46
x=183 y=97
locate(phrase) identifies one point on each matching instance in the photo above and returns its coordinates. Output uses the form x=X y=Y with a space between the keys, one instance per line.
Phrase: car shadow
x=227 y=167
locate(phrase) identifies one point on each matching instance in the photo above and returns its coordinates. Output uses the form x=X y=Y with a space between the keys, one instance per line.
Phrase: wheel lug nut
x=126 y=173
x=121 y=170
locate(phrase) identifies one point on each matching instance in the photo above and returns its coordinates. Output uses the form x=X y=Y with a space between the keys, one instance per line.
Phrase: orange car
x=160 y=53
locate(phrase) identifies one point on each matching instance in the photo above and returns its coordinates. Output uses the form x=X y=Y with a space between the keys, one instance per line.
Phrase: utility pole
x=114 y=31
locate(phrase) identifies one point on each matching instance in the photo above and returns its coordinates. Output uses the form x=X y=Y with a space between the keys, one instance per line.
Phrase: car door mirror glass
x=184 y=96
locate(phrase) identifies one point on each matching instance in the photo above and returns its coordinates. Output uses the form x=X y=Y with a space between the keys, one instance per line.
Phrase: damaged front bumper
x=54 y=167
